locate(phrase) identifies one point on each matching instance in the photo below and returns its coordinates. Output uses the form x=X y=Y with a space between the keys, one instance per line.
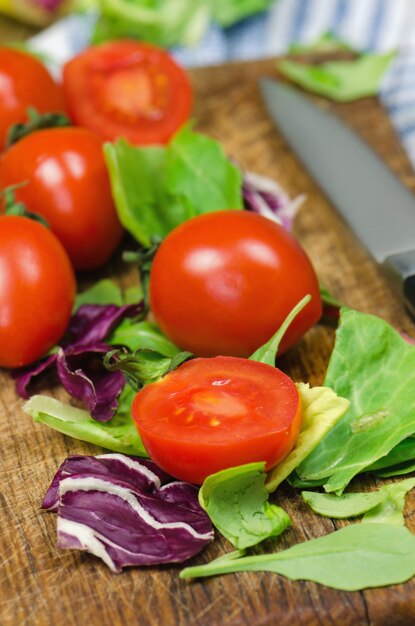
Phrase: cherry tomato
x=37 y=290
x=223 y=283
x=211 y=414
x=68 y=185
x=24 y=83
x=127 y=89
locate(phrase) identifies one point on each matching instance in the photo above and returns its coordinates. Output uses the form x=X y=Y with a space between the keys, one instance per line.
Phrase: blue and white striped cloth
x=367 y=25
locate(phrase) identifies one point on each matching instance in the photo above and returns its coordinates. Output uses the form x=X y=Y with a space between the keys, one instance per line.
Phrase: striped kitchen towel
x=367 y=25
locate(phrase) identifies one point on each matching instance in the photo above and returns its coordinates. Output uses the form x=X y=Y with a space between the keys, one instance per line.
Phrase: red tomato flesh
x=224 y=282
x=127 y=89
x=37 y=290
x=211 y=414
x=68 y=185
x=24 y=83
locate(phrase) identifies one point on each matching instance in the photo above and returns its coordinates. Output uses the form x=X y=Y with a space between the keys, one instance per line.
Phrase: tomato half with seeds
x=215 y=413
x=127 y=89
x=24 y=83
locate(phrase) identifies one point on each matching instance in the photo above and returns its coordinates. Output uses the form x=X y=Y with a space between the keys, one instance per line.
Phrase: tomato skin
x=223 y=283
x=37 y=290
x=68 y=185
x=211 y=414
x=127 y=89
x=24 y=83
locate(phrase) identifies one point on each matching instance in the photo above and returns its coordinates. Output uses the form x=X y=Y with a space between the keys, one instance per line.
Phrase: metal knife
x=370 y=198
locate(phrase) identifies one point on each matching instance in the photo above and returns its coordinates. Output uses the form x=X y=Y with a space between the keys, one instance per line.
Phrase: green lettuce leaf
x=156 y=189
x=322 y=409
x=402 y=453
x=374 y=368
x=119 y=434
x=397 y=470
x=343 y=81
x=356 y=557
x=236 y=501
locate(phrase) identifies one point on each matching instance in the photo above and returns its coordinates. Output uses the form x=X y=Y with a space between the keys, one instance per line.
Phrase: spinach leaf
x=390 y=510
x=322 y=408
x=374 y=368
x=105 y=292
x=236 y=501
x=267 y=353
x=343 y=81
x=119 y=434
x=156 y=189
x=356 y=557
x=344 y=506
x=145 y=335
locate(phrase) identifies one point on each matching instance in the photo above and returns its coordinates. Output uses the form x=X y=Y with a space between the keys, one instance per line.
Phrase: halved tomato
x=215 y=413
x=127 y=89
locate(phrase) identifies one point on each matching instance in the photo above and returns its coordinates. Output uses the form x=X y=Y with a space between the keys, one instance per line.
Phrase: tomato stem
x=35 y=121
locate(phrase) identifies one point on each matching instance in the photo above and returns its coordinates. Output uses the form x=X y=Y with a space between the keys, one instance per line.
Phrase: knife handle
x=400 y=269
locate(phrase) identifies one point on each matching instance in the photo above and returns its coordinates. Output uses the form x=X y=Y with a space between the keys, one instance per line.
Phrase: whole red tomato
x=68 y=185
x=127 y=89
x=223 y=283
x=37 y=290
x=211 y=414
x=24 y=83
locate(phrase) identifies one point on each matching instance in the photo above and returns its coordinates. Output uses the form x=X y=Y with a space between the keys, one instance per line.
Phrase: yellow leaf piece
x=322 y=408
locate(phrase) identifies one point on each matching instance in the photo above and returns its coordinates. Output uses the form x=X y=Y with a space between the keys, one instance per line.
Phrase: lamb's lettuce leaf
x=356 y=557
x=156 y=188
x=374 y=368
x=236 y=501
x=342 y=81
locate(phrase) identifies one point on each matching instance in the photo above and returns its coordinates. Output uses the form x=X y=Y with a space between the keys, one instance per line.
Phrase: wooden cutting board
x=42 y=585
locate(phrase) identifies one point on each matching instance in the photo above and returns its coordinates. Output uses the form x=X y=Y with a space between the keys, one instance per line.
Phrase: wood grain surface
x=41 y=585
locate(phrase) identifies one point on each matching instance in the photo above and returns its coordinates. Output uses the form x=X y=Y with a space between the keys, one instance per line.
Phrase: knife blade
x=369 y=197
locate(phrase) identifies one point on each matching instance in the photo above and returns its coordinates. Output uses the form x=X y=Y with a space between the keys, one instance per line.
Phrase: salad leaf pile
x=168 y=22
x=362 y=419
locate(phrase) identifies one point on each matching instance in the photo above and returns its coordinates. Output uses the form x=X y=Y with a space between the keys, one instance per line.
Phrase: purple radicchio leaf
x=23 y=378
x=48 y=5
x=79 y=361
x=126 y=512
x=84 y=377
x=93 y=322
x=264 y=196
